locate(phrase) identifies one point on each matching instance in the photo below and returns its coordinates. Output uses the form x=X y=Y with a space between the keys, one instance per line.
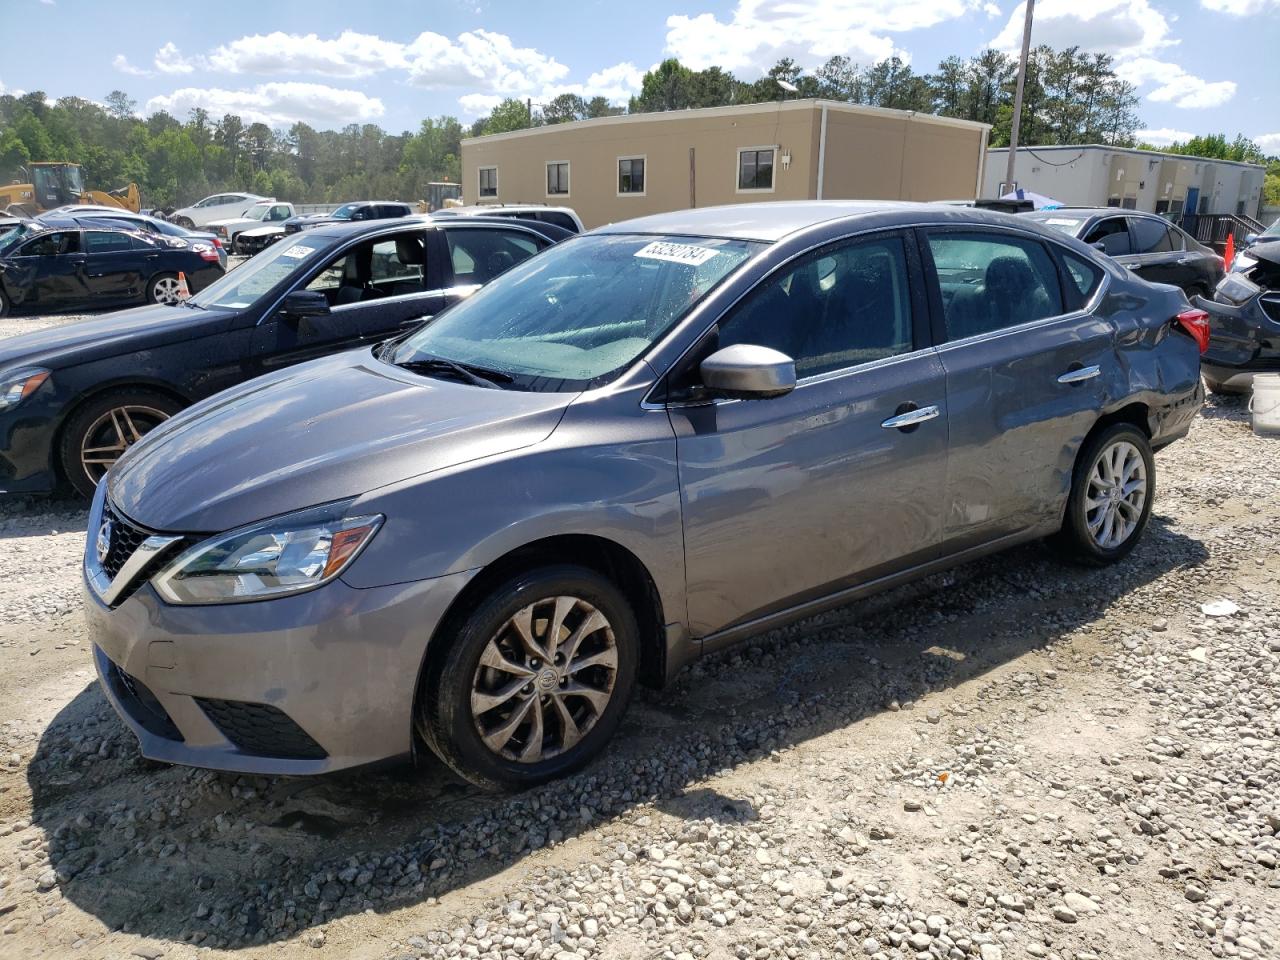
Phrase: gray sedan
x=645 y=444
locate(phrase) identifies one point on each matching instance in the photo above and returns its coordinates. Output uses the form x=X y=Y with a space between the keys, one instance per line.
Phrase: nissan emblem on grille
x=103 y=543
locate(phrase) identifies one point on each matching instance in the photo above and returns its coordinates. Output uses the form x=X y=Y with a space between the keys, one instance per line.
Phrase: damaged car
x=1244 y=323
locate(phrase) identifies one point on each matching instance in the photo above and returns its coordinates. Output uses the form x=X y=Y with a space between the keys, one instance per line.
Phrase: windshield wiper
x=477 y=376
x=192 y=304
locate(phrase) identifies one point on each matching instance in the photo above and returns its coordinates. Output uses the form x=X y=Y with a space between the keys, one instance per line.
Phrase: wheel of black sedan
x=534 y=682
x=1111 y=495
x=4 y=304
x=99 y=433
x=163 y=288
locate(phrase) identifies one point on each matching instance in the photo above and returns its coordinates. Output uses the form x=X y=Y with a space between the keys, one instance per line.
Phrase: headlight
x=289 y=554
x=16 y=387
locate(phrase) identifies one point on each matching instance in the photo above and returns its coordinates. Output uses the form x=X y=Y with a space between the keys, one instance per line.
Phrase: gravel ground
x=1016 y=759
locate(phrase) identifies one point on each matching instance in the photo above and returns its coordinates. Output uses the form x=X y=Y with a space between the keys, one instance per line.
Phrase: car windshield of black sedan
x=10 y=234
x=247 y=283
x=345 y=211
x=580 y=311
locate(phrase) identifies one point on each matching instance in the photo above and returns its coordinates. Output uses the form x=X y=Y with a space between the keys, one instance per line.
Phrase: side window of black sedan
x=51 y=244
x=1149 y=236
x=1112 y=234
x=105 y=241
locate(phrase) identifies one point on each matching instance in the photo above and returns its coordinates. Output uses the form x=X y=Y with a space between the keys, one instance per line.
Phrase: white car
x=265 y=211
x=218 y=207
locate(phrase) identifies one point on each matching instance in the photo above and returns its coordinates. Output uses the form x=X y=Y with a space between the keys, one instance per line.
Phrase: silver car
x=643 y=445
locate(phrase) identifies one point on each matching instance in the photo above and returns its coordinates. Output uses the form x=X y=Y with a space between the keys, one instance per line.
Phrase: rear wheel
x=163 y=288
x=99 y=432
x=534 y=682
x=1111 y=495
x=185 y=222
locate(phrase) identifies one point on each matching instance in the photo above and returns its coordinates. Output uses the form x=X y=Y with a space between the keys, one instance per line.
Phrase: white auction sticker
x=1059 y=222
x=676 y=253
x=296 y=252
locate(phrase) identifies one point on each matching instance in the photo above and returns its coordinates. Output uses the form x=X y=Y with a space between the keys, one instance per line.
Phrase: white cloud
x=482 y=59
x=1162 y=137
x=615 y=83
x=121 y=63
x=479 y=104
x=276 y=104
x=760 y=32
x=350 y=54
x=991 y=10
x=1269 y=142
x=169 y=59
x=1119 y=27
x=1172 y=84
x=1239 y=8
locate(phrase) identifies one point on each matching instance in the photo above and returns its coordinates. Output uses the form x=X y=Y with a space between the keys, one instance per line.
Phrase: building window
x=488 y=182
x=558 y=178
x=631 y=176
x=755 y=169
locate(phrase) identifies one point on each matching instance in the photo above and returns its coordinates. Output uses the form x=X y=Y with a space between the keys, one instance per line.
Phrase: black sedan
x=53 y=265
x=359 y=210
x=1150 y=246
x=73 y=398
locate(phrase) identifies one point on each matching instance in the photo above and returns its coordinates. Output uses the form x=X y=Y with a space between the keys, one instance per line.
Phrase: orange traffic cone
x=1229 y=252
x=184 y=292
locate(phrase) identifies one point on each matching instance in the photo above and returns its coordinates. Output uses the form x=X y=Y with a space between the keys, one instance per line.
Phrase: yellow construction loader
x=57 y=184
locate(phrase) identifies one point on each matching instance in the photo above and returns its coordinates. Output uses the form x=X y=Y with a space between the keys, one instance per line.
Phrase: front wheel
x=99 y=433
x=185 y=222
x=4 y=304
x=1112 y=490
x=535 y=680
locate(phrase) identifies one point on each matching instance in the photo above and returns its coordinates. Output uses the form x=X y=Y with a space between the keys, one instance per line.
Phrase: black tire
x=153 y=294
x=444 y=712
x=4 y=303
x=1221 y=390
x=185 y=222
x=1075 y=539
x=87 y=419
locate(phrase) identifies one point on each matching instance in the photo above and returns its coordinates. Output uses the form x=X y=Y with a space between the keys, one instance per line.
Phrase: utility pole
x=1017 y=98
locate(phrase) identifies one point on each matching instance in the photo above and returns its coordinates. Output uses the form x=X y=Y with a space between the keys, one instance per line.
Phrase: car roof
x=347 y=228
x=1085 y=212
x=772 y=221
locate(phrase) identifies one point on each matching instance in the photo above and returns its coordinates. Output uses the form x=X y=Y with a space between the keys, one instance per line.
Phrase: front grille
x=126 y=537
x=141 y=704
x=261 y=730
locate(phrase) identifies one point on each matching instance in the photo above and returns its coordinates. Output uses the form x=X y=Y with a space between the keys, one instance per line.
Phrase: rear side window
x=100 y=241
x=558 y=219
x=991 y=281
x=1149 y=236
x=1083 y=279
x=479 y=255
x=1177 y=240
x=1113 y=235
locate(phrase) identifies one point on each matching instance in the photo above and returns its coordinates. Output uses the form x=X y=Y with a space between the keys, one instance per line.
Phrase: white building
x=1101 y=176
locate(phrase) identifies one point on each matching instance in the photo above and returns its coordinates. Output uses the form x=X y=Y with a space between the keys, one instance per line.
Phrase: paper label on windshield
x=686 y=253
x=296 y=252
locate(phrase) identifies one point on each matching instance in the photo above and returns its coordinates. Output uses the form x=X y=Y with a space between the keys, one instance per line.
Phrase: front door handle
x=911 y=418
x=1081 y=374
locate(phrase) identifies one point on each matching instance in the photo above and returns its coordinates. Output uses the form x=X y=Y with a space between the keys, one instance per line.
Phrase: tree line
x=1071 y=97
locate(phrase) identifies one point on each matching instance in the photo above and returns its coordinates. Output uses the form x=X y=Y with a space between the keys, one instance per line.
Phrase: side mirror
x=1250 y=239
x=745 y=371
x=305 y=303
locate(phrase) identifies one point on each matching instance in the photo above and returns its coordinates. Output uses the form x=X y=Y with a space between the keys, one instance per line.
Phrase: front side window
x=631 y=175
x=1149 y=236
x=51 y=244
x=581 y=311
x=481 y=254
x=557 y=179
x=836 y=308
x=991 y=281
x=1113 y=235
x=755 y=168
x=242 y=286
x=489 y=181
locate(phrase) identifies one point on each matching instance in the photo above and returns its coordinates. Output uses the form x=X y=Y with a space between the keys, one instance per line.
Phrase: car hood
x=326 y=430
x=230 y=222
x=262 y=231
x=112 y=333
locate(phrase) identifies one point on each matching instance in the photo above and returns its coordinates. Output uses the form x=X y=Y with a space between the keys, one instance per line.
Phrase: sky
x=1195 y=63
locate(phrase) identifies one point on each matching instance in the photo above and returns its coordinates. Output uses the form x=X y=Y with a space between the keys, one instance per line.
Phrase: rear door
x=480 y=252
x=1025 y=365
x=114 y=265
x=795 y=497
x=1154 y=257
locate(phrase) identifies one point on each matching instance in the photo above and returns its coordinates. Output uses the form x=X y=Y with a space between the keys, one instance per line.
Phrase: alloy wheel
x=113 y=433
x=165 y=290
x=544 y=679
x=1116 y=494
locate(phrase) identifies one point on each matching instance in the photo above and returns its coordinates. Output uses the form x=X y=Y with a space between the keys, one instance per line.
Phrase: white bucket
x=1265 y=403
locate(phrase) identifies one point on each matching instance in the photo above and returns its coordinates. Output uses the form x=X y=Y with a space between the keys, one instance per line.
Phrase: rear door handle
x=911 y=418
x=1081 y=374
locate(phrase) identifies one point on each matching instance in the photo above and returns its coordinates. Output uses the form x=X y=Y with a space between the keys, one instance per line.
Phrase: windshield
x=248 y=282
x=579 y=312
x=344 y=212
x=1068 y=225
x=11 y=233
x=1272 y=231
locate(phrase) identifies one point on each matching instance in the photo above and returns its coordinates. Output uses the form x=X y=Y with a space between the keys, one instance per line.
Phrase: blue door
x=1193 y=200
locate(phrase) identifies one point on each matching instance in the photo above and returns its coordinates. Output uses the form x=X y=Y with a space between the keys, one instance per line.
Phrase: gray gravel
x=1016 y=759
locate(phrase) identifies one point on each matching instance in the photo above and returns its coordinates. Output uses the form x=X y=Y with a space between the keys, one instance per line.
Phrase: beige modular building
x=616 y=168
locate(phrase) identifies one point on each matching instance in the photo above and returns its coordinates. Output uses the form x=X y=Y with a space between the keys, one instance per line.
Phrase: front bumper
x=306 y=684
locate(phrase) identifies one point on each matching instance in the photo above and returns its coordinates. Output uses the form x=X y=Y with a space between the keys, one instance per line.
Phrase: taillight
x=217 y=243
x=212 y=256
x=1196 y=324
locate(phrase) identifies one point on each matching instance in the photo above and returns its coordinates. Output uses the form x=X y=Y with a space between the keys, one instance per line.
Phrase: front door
x=50 y=270
x=791 y=498
x=1026 y=373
